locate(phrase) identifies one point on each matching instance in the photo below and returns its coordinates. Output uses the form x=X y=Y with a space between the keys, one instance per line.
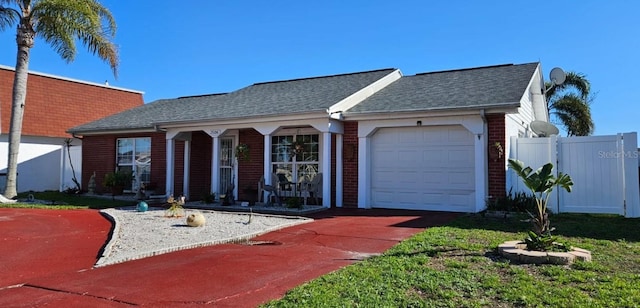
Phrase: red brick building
x=432 y=141
x=53 y=105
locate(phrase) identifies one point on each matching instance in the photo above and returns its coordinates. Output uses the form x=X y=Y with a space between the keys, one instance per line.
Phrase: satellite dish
x=543 y=129
x=557 y=76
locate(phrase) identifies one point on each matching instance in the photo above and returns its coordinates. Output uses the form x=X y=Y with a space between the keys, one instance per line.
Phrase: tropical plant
x=175 y=207
x=59 y=23
x=541 y=183
x=117 y=179
x=570 y=104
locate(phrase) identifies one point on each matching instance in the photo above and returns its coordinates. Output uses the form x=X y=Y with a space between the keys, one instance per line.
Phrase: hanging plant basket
x=297 y=147
x=496 y=151
x=242 y=152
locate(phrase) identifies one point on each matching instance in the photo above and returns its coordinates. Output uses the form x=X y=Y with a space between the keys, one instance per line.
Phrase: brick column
x=496 y=165
x=350 y=165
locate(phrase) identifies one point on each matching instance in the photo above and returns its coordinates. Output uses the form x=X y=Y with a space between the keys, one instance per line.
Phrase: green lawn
x=58 y=200
x=457 y=266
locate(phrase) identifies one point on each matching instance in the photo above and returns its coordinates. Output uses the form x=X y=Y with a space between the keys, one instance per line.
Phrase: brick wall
x=54 y=105
x=99 y=156
x=200 y=168
x=250 y=170
x=350 y=165
x=496 y=166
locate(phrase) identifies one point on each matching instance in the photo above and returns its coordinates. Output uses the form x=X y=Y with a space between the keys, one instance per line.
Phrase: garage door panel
x=433 y=157
x=410 y=137
x=462 y=157
x=384 y=157
x=383 y=197
x=432 y=177
x=460 y=199
x=408 y=155
x=461 y=179
x=432 y=199
x=382 y=178
x=428 y=168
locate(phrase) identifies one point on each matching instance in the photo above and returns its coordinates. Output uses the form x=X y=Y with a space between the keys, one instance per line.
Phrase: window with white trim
x=134 y=155
x=294 y=157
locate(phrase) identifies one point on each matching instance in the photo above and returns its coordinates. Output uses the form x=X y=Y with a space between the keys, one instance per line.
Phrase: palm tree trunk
x=25 y=42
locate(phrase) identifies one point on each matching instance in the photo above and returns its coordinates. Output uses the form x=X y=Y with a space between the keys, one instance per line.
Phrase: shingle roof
x=260 y=99
x=145 y=116
x=491 y=86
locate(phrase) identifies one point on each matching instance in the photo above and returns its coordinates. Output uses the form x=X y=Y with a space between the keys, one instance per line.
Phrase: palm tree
x=59 y=23
x=570 y=104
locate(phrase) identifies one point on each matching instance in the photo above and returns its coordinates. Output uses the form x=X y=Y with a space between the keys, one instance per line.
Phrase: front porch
x=284 y=155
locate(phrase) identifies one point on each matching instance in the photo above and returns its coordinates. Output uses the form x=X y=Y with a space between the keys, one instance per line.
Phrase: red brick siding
x=496 y=166
x=350 y=165
x=99 y=156
x=55 y=105
x=200 y=168
x=252 y=169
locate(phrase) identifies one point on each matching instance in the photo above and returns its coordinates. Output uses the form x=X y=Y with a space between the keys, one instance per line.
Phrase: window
x=294 y=157
x=134 y=155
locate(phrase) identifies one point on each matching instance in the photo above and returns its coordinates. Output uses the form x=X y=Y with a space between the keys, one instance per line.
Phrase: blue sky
x=171 y=49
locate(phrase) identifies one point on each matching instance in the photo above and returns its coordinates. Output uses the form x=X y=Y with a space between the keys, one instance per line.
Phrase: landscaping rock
x=196 y=220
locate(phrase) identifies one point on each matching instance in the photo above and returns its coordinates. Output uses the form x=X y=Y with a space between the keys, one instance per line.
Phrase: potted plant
x=117 y=181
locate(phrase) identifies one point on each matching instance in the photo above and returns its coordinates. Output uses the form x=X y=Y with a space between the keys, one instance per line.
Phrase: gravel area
x=138 y=235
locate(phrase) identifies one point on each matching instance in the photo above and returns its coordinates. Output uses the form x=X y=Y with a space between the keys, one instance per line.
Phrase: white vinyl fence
x=604 y=170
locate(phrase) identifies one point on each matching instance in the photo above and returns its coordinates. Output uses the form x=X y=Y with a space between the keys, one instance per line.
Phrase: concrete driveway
x=46 y=258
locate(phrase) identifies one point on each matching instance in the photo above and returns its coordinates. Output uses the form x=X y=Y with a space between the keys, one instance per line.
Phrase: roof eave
x=244 y=120
x=95 y=132
x=497 y=108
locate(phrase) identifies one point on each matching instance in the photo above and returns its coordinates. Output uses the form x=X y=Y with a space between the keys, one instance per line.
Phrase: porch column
x=326 y=169
x=187 y=163
x=170 y=166
x=481 y=172
x=339 y=170
x=266 y=170
x=364 y=194
x=215 y=166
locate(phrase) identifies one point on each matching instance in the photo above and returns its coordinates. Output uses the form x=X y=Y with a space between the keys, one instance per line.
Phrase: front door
x=227 y=165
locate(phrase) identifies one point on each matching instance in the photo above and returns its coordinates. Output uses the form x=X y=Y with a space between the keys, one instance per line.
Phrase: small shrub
x=175 y=207
x=513 y=202
x=208 y=198
x=293 y=203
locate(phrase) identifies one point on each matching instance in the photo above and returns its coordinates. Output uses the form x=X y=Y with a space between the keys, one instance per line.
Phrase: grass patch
x=458 y=266
x=59 y=200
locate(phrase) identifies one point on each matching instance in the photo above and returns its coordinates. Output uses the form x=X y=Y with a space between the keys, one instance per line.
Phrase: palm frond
x=577 y=82
x=574 y=114
x=61 y=22
x=8 y=17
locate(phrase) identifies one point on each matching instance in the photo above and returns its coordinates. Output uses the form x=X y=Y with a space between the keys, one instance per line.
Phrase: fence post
x=630 y=165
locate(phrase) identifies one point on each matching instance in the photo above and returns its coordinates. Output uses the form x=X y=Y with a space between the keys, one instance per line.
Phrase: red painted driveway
x=47 y=256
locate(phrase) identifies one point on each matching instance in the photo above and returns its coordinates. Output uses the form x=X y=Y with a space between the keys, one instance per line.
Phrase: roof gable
x=296 y=96
x=482 y=87
x=287 y=97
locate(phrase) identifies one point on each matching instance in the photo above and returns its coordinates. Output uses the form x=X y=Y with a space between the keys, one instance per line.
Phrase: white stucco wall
x=41 y=161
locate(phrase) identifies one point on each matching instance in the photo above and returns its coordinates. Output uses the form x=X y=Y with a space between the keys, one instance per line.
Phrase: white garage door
x=423 y=168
